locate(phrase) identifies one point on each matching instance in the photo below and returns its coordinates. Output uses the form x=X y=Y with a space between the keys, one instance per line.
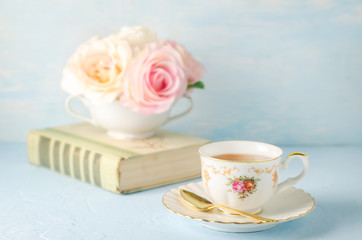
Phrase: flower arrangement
x=243 y=186
x=134 y=67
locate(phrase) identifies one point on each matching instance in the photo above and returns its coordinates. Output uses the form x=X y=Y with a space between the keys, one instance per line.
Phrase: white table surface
x=36 y=203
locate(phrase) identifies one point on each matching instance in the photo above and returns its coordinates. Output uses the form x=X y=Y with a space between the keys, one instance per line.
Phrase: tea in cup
x=244 y=174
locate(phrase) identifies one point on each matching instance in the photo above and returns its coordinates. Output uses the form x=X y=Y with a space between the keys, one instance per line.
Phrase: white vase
x=120 y=121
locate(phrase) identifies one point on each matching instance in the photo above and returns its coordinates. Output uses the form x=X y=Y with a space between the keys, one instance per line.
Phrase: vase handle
x=284 y=165
x=74 y=114
x=183 y=113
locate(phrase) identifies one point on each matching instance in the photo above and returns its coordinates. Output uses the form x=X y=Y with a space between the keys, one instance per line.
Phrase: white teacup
x=245 y=185
x=120 y=121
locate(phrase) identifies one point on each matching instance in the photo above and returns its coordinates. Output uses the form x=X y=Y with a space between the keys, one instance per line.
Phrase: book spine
x=74 y=159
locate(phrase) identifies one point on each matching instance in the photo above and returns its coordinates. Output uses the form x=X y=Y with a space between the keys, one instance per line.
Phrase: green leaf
x=198 y=84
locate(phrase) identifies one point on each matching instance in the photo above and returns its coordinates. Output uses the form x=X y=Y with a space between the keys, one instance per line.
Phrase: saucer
x=291 y=203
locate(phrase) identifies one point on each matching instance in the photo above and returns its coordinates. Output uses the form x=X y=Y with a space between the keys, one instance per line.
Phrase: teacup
x=120 y=121
x=245 y=184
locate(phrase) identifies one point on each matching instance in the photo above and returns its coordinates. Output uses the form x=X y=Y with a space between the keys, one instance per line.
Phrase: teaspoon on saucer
x=203 y=204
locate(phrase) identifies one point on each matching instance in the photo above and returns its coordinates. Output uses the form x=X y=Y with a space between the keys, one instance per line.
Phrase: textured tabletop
x=36 y=203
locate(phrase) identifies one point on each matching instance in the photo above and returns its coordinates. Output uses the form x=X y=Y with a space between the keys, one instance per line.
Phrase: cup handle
x=284 y=166
x=183 y=113
x=74 y=114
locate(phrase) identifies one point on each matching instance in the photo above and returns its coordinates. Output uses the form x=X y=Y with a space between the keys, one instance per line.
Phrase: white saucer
x=289 y=204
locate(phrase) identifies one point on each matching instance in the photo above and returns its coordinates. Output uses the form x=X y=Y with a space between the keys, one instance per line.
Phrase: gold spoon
x=203 y=204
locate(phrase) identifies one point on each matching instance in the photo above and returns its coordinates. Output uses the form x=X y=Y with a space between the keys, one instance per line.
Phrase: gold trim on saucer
x=230 y=213
x=212 y=221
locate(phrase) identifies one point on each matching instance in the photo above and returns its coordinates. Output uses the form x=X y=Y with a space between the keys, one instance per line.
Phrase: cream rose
x=96 y=69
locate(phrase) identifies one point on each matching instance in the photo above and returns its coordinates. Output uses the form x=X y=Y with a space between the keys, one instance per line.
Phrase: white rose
x=96 y=68
x=137 y=36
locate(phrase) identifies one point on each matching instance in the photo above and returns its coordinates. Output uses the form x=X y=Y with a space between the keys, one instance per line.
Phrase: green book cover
x=87 y=153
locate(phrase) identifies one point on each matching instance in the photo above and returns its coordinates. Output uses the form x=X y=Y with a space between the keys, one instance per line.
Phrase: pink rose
x=154 y=80
x=237 y=186
x=193 y=68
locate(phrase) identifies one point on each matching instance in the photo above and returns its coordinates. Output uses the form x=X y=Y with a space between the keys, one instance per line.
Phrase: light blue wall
x=285 y=72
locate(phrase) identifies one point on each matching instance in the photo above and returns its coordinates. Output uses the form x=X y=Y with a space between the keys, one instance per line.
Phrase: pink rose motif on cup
x=155 y=79
x=243 y=186
x=237 y=186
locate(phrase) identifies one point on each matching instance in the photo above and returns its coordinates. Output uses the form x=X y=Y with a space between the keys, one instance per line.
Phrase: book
x=85 y=152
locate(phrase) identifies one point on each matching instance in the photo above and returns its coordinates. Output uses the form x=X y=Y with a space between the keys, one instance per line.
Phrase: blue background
x=284 y=72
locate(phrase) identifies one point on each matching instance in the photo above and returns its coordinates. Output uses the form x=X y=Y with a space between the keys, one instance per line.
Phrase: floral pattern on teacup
x=275 y=179
x=221 y=170
x=268 y=171
x=243 y=185
x=206 y=176
x=211 y=169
